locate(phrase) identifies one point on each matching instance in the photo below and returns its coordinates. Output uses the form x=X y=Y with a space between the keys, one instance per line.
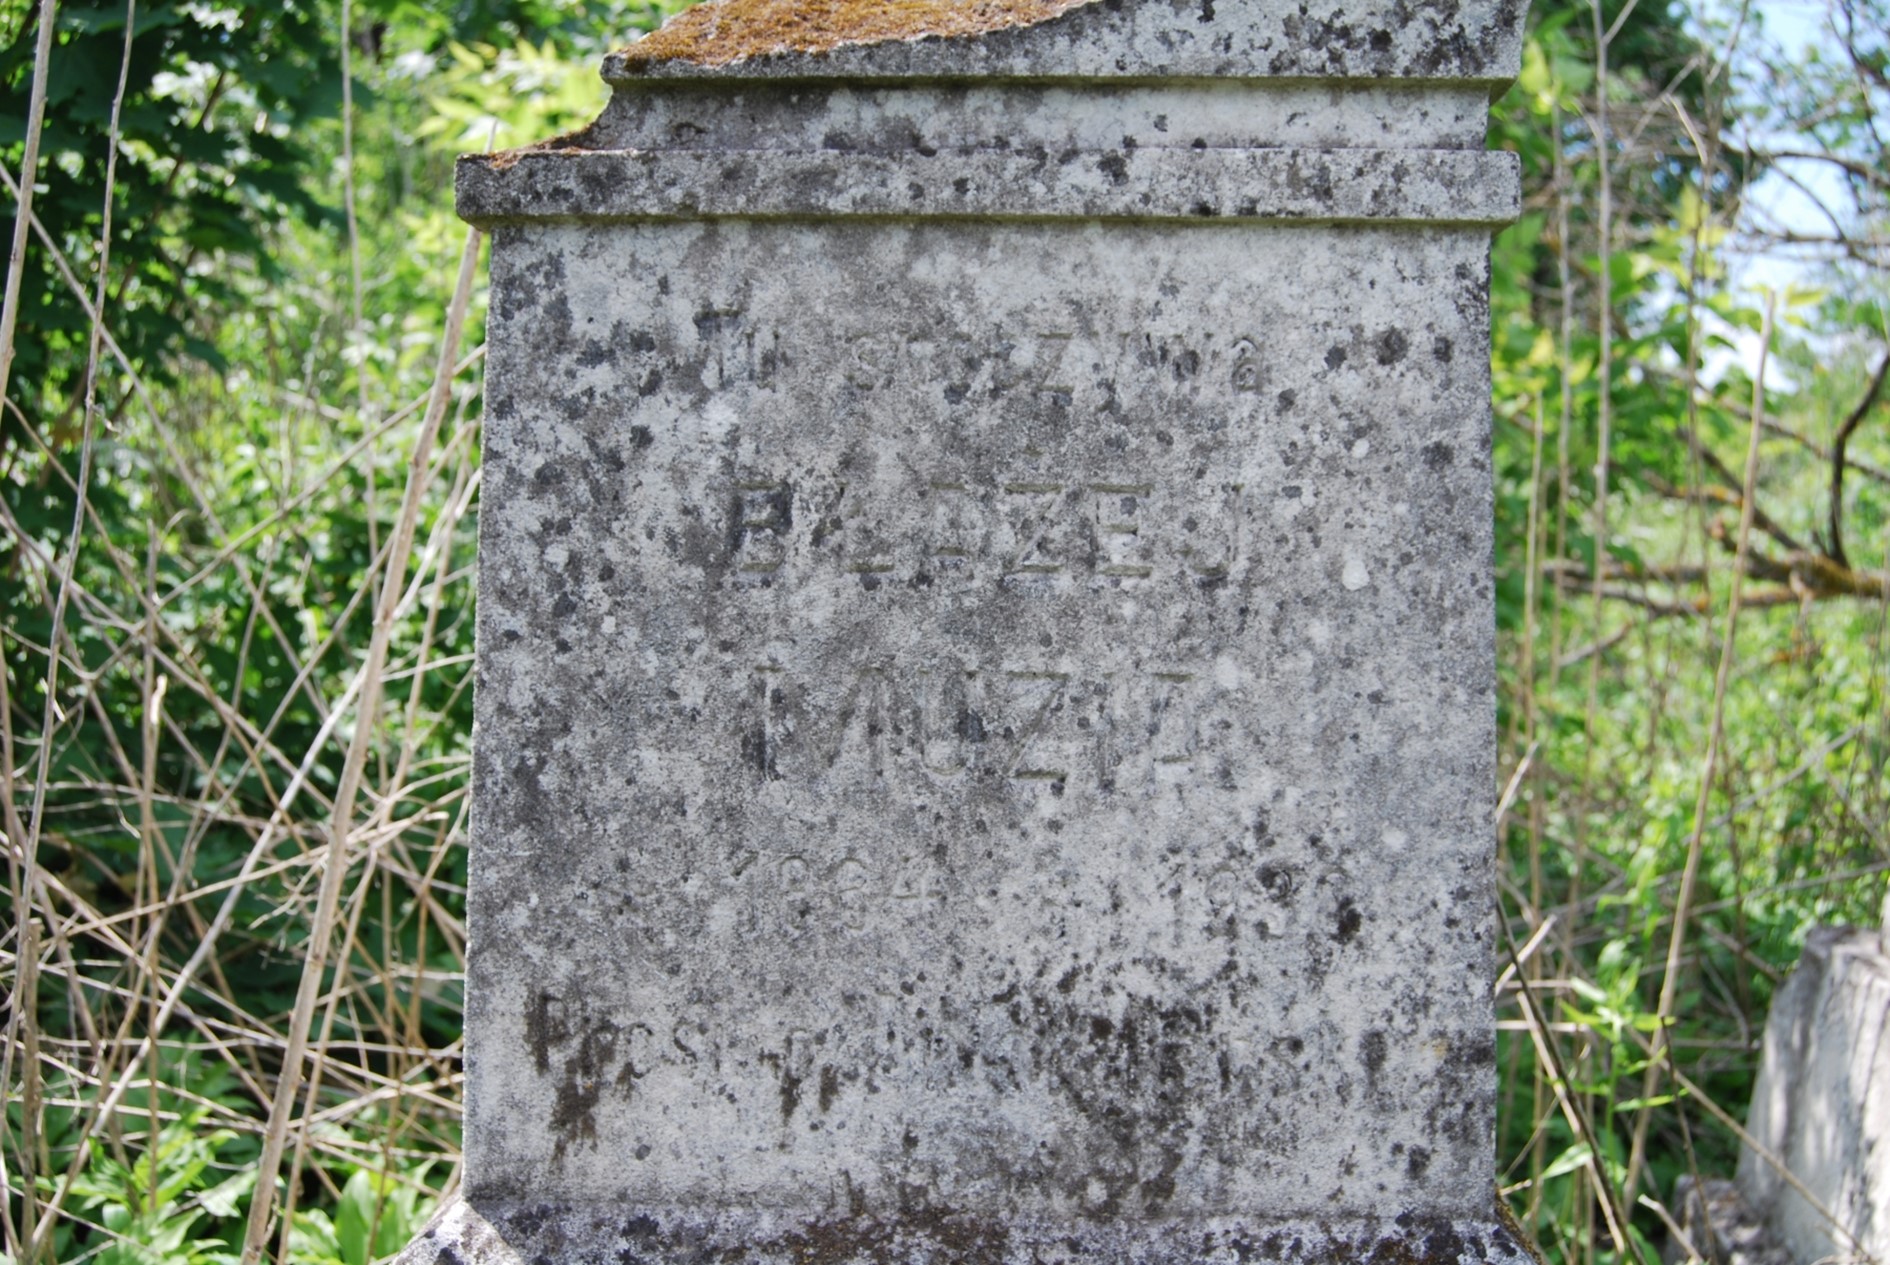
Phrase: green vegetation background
x=214 y=774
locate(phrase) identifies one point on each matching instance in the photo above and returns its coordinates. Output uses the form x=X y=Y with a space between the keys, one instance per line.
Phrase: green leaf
x=1576 y=1156
x=227 y=1196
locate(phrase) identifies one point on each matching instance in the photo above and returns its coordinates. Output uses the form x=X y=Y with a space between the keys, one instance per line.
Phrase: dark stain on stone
x=545 y=1028
x=591 y=1048
x=1391 y=345
x=790 y=1094
x=829 y=1086
x=1335 y=357
x=919 y=1229
x=758 y=753
x=1346 y=924
x=1115 y=166
x=1438 y=456
x=1279 y=882
x=1372 y=1048
x=712 y=321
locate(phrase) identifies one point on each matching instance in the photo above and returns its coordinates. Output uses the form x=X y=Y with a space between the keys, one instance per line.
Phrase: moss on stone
x=724 y=31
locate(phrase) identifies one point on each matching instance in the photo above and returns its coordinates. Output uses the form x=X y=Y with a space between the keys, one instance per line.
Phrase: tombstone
x=1812 y=1184
x=985 y=674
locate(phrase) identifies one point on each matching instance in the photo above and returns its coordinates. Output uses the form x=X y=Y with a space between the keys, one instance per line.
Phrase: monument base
x=572 y=1234
x=1721 y=1227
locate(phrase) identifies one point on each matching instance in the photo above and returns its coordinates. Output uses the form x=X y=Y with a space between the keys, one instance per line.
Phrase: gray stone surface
x=1822 y=1104
x=986 y=672
x=1440 y=187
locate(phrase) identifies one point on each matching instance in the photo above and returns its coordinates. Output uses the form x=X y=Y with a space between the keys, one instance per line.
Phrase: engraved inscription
x=763 y=515
x=1171 y=720
x=1029 y=726
x=1121 y=548
x=1108 y=530
x=951 y=724
x=1032 y=512
x=1246 y=377
x=1052 y=351
x=1038 y=698
x=761 y=739
x=865 y=719
x=1058 y=368
x=953 y=537
x=819 y=883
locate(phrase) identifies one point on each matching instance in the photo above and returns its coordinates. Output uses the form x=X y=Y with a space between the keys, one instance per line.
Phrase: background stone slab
x=1822 y=1102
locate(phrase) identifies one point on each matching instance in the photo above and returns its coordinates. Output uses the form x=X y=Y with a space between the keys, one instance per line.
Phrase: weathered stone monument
x=986 y=673
x=1813 y=1182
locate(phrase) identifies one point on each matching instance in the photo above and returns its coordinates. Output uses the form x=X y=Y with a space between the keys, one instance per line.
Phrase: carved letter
x=1032 y=550
x=763 y=512
x=1121 y=549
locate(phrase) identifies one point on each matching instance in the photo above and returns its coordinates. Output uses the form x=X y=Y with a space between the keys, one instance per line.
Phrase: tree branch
x=1729 y=497
x=1838 y=445
x=1806 y=574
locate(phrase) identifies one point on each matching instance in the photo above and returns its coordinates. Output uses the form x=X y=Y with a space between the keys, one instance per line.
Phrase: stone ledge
x=1327 y=186
x=496 y=1234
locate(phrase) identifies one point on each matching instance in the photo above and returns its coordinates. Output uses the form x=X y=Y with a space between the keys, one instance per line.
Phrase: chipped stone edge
x=578 y=1234
x=1469 y=188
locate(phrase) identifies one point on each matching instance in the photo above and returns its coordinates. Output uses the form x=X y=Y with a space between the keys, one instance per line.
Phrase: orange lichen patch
x=723 y=31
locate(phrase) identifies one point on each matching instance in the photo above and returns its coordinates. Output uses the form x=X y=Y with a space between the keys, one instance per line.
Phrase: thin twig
x=1709 y=766
x=262 y=1206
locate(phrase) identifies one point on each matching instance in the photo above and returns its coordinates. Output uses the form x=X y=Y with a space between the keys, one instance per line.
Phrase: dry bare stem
x=262 y=1205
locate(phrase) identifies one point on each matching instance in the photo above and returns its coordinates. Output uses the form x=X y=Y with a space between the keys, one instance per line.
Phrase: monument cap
x=1367 y=112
